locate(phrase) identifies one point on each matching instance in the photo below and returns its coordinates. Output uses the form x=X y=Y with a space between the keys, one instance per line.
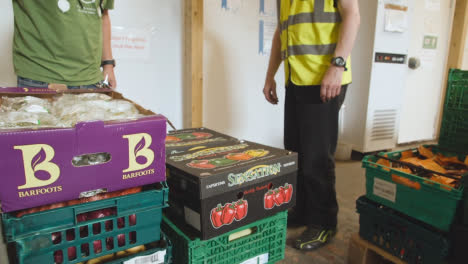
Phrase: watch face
x=339 y=61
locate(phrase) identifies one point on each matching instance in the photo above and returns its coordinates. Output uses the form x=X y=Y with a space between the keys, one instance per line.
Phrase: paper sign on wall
x=430 y=42
x=131 y=43
x=231 y=5
x=266 y=31
x=267 y=7
x=396 y=20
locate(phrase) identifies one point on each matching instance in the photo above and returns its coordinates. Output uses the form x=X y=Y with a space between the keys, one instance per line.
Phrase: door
x=430 y=34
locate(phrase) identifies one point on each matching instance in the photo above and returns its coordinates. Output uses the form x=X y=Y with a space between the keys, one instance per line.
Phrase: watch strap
x=108 y=62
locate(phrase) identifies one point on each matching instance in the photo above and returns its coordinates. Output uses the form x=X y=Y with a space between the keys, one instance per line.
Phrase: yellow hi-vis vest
x=309 y=32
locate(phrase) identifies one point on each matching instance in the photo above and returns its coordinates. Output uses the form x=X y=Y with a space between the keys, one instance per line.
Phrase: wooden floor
x=350 y=184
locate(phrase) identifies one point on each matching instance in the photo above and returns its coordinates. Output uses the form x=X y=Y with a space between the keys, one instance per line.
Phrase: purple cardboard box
x=36 y=165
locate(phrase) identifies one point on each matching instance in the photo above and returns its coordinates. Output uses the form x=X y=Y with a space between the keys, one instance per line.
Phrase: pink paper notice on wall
x=132 y=43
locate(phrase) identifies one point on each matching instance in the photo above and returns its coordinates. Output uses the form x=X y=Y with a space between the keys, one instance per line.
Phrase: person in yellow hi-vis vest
x=314 y=39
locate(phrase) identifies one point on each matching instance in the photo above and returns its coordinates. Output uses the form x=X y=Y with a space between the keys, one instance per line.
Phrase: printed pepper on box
x=221 y=187
x=37 y=167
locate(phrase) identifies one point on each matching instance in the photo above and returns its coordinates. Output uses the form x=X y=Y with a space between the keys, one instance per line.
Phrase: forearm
x=351 y=20
x=275 y=56
x=106 y=36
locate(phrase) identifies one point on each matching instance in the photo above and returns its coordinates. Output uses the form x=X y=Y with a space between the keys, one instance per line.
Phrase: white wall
x=156 y=82
x=234 y=75
x=465 y=57
x=7 y=76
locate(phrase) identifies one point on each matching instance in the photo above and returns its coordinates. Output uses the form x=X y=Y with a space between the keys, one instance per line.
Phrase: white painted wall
x=465 y=57
x=234 y=75
x=7 y=76
x=155 y=83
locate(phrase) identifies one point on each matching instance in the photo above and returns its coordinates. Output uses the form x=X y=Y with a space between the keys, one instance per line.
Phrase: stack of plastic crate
x=110 y=230
x=408 y=215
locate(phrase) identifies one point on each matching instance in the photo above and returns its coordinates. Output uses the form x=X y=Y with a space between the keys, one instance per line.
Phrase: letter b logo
x=37 y=158
x=140 y=156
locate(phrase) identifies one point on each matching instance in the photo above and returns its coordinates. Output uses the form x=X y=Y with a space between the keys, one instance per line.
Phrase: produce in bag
x=446 y=170
x=63 y=111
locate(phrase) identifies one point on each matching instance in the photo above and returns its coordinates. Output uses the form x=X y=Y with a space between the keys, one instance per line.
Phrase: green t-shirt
x=59 y=41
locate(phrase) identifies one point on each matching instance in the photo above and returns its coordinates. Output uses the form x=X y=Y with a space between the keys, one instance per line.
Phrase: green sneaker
x=313 y=238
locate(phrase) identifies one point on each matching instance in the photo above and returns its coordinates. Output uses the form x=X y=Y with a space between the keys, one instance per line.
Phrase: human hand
x=108 y=71
x=331 y=83
x=269 y=90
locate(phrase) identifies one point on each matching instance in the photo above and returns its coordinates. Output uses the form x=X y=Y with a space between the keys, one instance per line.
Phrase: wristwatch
x=339 y=62
x=108 y=62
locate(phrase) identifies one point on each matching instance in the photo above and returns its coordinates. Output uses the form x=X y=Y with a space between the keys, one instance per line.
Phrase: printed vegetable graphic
x=279 y=196
x=222 y=162
x=257 y=153
x=269 y=200
x=216 y=214
x=229 y=212
x=186 y=136
x=201 y=134
x=201 y=164
x=238 y=156
x=225 y=215
x=288 y=191
x=241 y=209
x=172 y=139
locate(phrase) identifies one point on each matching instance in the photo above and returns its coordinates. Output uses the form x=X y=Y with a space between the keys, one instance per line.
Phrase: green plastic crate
x=425 y=200
x=268 y=238
x=457 y=96
x=457 y=75
x=454 y=130
x=35 y=236
x=401 y=236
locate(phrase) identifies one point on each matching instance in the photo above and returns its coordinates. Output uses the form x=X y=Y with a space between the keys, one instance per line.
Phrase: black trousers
x=311 y=129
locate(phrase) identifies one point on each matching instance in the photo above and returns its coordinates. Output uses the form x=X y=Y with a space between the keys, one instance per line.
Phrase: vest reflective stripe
x=309 y=32
x=309 y=49
x=319 y=17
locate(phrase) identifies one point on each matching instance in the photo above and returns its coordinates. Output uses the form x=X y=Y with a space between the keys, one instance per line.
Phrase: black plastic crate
x=465 y=202
x=459 y=238
x=406 y=238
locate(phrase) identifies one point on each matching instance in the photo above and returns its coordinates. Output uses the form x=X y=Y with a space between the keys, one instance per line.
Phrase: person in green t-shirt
x=63 y=42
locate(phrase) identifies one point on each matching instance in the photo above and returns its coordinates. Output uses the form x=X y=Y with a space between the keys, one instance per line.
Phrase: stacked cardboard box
x=57 y=209
x=220 y=184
